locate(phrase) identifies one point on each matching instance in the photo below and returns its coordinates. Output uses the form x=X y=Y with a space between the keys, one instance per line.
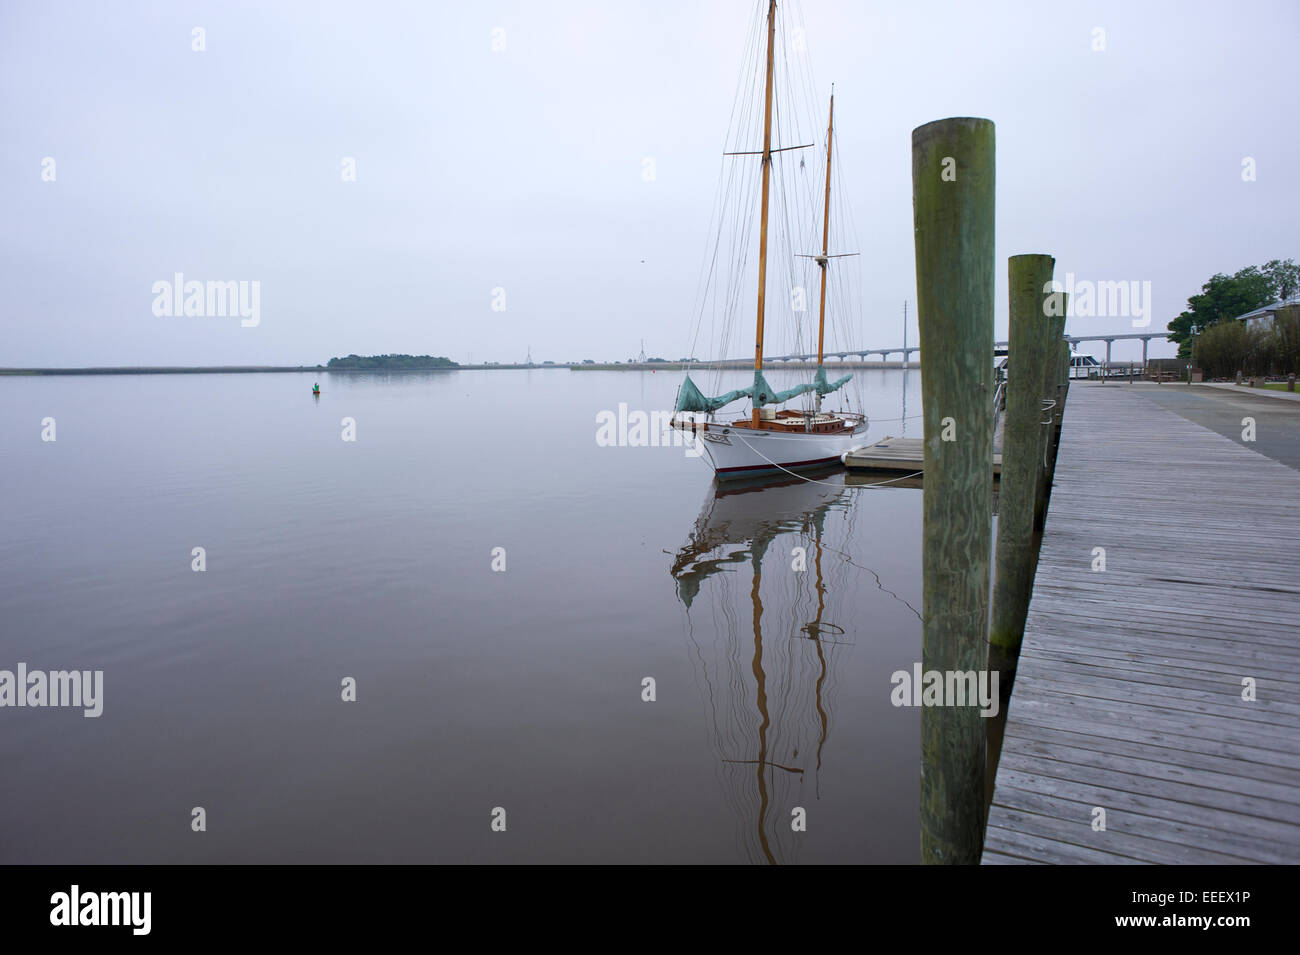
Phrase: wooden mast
x=824 y=261
x=767 y=172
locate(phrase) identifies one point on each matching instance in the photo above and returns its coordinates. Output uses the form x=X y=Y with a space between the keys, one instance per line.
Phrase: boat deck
x=801 y=422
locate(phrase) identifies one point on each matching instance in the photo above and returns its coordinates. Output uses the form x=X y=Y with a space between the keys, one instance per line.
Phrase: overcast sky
x=522 y=168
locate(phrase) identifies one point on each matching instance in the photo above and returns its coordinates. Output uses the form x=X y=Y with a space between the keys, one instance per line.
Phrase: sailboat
x=769 y=438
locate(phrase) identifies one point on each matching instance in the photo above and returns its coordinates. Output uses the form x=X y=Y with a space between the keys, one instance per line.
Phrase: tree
x=1224 y=297
x=390 y=362
x=1285 y=278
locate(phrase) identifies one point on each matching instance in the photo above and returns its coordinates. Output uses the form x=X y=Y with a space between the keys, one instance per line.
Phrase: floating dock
x=1155 y=716
x=897 y=454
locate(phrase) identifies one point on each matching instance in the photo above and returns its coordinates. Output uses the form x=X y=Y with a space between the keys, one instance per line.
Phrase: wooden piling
x=1023 y=438
x=953 y=202
x=1062 y=392
x=1051 y=399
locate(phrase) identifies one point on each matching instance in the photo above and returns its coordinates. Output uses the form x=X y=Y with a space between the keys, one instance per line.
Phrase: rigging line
x=705 y=279
x=740 y=104
x=740 y=252
x=743 y=90
x=726 y=209
x=834 y=214
x=791 y=211
x=718 y=228
x=788 y=193
x=850 y=561
x=735 y=249
x=724 y=297
x=802 y=71
x=848 y=284
x=800 y=199
x=793 y=185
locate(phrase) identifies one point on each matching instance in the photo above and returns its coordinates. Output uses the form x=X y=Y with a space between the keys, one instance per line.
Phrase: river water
x=495 y=583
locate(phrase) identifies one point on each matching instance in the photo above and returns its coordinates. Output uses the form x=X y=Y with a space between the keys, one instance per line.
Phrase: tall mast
x=826 y=233
x=767 y=173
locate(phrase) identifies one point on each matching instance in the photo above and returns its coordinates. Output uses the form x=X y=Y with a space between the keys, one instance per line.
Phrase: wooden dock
x=1129 y=695
x=896 y=454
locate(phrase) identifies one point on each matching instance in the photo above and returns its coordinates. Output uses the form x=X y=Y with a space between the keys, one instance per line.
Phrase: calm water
x=476 y=689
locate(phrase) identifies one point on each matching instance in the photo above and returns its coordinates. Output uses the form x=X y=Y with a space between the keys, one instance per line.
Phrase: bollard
x=953 y=203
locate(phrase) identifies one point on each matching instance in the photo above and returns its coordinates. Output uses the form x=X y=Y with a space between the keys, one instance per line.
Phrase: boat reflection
x=771 y=557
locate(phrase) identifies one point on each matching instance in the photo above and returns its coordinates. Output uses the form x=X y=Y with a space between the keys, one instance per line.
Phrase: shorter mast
x=823 y=260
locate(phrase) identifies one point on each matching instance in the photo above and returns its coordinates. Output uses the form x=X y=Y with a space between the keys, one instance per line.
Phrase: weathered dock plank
x=888 y=454
x=1129 y=693
x=1015 y=843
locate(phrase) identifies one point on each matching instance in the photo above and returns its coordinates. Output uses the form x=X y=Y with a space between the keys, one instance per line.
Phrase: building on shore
x=1264 y=316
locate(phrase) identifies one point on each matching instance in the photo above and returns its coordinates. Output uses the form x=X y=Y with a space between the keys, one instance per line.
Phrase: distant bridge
x=908 y=351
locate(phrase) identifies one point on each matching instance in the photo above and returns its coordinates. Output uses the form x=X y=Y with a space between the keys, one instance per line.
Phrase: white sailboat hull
x=746 y=452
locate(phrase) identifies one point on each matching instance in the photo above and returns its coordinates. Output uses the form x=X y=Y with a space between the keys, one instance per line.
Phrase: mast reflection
x=766 y=636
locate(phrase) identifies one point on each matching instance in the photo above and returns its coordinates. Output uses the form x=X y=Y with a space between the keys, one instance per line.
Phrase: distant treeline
x=391 y=362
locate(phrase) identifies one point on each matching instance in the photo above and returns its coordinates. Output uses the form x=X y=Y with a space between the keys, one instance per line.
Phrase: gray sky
x=522 y=168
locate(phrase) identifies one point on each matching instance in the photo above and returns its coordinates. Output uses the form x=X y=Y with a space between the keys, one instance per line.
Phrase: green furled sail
x=819 y=381
x=690 y=398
